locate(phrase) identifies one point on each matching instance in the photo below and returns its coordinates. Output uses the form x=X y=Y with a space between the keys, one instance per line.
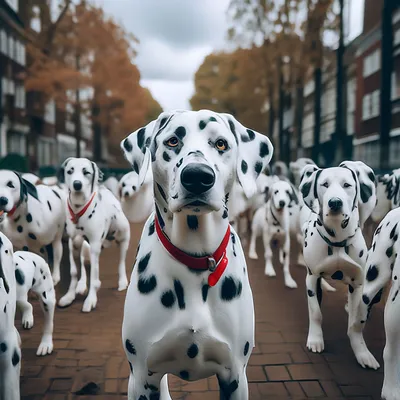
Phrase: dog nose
x=126 y=194
x=335 y=204
x=281 y=203
x=77 y=185
x=3 y=201
x=197 y=178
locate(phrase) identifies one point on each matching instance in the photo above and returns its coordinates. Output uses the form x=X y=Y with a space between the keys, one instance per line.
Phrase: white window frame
x=366 y=107
x=375 y=102
x=4 y=42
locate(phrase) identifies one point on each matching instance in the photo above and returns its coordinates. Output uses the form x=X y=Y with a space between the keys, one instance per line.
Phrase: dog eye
x=123 y=184
x=69 y=172
x=325 y=184
x=172 y=142
x=10 y=185
x=86 y=173
x=221 y=145
x=346 y=185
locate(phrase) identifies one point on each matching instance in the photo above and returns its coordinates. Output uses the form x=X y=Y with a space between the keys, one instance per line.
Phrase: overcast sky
x=175 y=36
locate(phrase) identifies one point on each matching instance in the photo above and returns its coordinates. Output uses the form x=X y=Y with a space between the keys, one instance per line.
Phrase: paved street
x=89 y=359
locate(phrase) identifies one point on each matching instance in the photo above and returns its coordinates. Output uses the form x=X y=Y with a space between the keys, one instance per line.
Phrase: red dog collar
x=216 y=263
x=75 y=217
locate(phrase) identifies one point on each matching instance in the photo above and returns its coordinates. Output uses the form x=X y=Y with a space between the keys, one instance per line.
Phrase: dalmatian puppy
x=94 y=216
x=112 y=185
x=136 y=201
x=383 y=267
x=10 y=341
x=189 y=307
x=33 y=273
x=341 y=199
x=277 y=220
x=33 y=217
x=296 y=167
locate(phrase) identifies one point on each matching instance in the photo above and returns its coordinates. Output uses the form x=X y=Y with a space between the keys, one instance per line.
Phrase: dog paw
x=89 y=304
x=253 y=255
x=66 y=300
x=367 y=360
x=269 y=271
x=27 y=321
x=81 y=287
x=315 y=344
x=56 y=278
x=122 y=284
x=290 y=283
x=45 y=347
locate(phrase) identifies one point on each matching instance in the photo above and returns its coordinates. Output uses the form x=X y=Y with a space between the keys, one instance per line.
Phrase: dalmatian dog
x=95 y=217
x=33 y=273
x=10 y=341
x=296 y=167
x=383 y=267
x=33 y=217
x=189 y=307
x=340 y=200
x=136 y=201
x=277 y=220
x=112 y=185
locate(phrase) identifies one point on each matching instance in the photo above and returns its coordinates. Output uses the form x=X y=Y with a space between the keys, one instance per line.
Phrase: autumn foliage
x=87 y=59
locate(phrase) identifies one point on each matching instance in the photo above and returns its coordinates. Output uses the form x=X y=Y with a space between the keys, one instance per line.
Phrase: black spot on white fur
x=168 y=299
x=127 y=145
x=230 y=288
x=193 y=351
x=166 y=157
x=143 y=263
x=338 y=275
x=192 y=222
x=15 y=358
x=129 y=346
x=180 y=294
x=152 y=227
x=244 y=167
x=28 y=218
x=372 y=273
x=246 y=348
x=147 y=285
x=19 y=276
x=204 y=292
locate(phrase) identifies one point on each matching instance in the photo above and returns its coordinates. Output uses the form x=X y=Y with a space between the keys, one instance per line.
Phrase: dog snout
x=126 y=194
x=335 y=204
x=3 y=201
x=77 y=185
x=197 y=178
x=282 y=203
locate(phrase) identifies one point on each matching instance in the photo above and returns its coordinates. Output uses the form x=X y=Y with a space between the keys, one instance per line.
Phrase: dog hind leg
x=315 y=340
x=289 y=281
x=91 y=299
x=269 y=269
x=123 y=280
x=57 y=251
x=84 y=257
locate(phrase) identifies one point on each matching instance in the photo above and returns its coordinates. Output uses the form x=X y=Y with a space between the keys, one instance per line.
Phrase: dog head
x=340 y=190
x=196 y=156
x=128 y=185
x=7 y=283
x=81 y=176
x=13 y=191
x=282 y=195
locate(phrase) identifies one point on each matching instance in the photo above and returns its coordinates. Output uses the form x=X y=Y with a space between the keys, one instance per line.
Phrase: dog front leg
x=315 y=340
x=123 y=280
x=84 y=257
x=74 y=252
x=58 y=251
x=91 y=299
x=269 y=268
x=235 y=386
x=252 y=248
x=391 y=353
x=289 y=281
x=355 y=330
x=47 y=302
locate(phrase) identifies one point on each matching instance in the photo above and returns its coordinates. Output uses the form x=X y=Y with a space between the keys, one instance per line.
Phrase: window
x=3 y=42
x=11 y=46
x=375 y=103
x=394 y=152
x=396 y=84
x=16 y=143
x=20 y=96
x=50 y=112
x=20 y=52
x=396 y=39
x=46 y=150
x=372 y=63
x=366 y=107
x=368 y=153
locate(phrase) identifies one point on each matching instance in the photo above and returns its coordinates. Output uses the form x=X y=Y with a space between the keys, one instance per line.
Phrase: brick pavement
x=88 y=347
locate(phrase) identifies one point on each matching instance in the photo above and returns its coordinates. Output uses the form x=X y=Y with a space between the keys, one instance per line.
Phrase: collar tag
x=212 y=264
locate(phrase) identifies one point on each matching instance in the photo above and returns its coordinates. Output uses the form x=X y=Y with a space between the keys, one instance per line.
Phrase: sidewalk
x=88 y=346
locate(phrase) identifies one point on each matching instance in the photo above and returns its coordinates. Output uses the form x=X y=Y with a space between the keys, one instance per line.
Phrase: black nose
x=3 y=201
x=77 y=185
x=335 y=204
x=126 y=194
x=281 y=204
x=197 y=178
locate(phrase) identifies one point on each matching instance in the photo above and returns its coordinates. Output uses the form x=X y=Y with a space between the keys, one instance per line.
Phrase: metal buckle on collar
x=212 y=264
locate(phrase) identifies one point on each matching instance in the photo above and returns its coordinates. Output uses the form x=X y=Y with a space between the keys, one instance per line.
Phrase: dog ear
x=366 y=187
x=26 y=188
x=139 y=147
x=293 y=195
x=254 y=153
x=61 y=171
x=308 y=185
